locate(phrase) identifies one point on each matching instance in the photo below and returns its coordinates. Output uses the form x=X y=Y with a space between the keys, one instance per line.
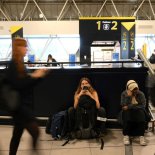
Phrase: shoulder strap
x=66 y=142
x=102 y=143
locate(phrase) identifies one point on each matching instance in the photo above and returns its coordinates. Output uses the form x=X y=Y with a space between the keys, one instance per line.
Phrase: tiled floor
x=113 y=144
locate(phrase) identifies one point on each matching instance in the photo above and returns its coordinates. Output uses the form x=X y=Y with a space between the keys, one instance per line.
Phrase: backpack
x=85 y=128
x=85 y=118
x=58 y=127
x=48 y=125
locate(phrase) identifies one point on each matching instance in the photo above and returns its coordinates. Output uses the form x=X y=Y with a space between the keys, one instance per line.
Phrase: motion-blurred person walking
x=23 y=83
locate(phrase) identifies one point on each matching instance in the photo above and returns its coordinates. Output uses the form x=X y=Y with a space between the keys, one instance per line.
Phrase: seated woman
x=86 y=96
x=133 y=104
x=51 y=59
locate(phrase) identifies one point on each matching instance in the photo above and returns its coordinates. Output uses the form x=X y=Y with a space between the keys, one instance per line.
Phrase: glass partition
x=59 y=46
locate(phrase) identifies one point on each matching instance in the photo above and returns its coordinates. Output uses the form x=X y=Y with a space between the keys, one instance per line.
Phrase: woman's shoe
x=142 y=141
x=126 y=140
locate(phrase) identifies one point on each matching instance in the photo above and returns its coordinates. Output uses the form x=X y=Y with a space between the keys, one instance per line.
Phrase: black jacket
x=24 y=85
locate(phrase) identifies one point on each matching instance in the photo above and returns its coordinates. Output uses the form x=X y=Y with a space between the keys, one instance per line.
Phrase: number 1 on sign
x=98 y=25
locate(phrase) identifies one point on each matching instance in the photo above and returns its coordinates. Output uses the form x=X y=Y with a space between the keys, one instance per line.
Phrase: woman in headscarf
x=133 y=104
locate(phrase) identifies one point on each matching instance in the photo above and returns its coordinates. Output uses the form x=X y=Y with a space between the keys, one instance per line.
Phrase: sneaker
x=142 y=140
x=126 y=140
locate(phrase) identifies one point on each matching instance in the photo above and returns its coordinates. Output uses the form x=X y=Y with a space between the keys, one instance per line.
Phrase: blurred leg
x=17 y=133
x=33 y=129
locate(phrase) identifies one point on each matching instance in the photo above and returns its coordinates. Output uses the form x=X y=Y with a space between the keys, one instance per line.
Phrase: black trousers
x=23 y=119
x=134 y=128
x=31 y=127
x=134 y=122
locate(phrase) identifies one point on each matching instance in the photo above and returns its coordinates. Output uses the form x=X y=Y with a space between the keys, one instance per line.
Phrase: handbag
x=9 y=97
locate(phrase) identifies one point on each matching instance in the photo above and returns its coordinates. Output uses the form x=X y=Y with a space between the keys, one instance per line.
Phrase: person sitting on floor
x=88 y=96
x=133 y=104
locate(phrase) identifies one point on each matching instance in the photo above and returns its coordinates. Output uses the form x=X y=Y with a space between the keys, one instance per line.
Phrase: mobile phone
x=85 y=88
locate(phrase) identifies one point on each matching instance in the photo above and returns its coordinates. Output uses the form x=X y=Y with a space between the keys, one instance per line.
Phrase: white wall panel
x=64 y=27
x=42 y=27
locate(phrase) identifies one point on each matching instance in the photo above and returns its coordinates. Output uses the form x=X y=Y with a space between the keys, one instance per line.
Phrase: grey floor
x=113 y=144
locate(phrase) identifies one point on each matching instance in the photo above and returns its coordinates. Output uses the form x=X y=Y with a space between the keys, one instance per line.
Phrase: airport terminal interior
x=108 y=41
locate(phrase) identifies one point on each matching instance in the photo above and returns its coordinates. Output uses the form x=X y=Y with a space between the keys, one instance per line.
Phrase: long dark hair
x=91 y=89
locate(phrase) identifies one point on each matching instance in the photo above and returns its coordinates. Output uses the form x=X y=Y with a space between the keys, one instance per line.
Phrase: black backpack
x=85 y=118
x=57 y=125
x=85 y=128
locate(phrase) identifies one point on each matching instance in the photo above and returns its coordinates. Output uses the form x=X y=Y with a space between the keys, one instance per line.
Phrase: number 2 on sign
x=132 y=45
x=124 y=45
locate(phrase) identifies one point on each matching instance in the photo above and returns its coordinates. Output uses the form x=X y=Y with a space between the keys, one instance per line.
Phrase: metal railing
x=146 y=62
x=120 y=64
x=151 y=73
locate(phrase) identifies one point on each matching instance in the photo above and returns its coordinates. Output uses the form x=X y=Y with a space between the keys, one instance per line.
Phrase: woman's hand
x=39 y=73
x=129 y=92
x=87 y=92
x=125 y=107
